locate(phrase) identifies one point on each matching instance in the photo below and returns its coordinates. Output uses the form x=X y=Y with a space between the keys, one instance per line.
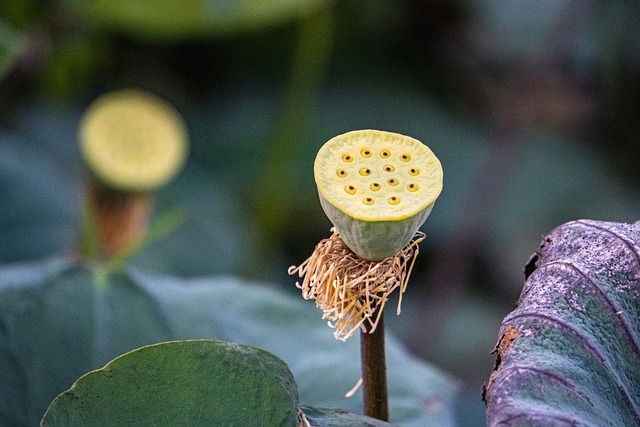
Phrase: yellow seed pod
x=377 y=188
x=132 y=140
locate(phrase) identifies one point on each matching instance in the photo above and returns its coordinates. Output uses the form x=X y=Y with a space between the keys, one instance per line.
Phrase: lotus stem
x=117 y=219
x=374 y=371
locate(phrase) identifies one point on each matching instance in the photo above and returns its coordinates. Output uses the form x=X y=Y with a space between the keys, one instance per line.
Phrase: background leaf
x=37 y=210
x=321 y=417
x=59 y=320
x=178 y=19
x=11 y=43
x=569 y=354
x=200 y=382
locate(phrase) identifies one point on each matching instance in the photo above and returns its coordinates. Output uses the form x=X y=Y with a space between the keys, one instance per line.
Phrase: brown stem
x=374 y=372
x=118 y=218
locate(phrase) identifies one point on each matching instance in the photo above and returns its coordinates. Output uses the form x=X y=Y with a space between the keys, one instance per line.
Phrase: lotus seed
x=414 y=171
x=350 y=189
x=347 y=158
x=412 y=187
x=375 y=186
x=389 y=168
x=385 y=154
x=365 y=171
x=365 y=153
x=367 y=201
x=405 y=157
x=342 y=173
x=393 y=182
x=394 y=200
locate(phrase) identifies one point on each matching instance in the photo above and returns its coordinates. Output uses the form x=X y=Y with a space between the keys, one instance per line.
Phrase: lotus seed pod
x=132 y=140
x=377 y=188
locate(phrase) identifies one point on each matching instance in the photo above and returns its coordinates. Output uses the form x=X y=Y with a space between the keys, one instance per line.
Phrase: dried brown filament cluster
x=349 y=289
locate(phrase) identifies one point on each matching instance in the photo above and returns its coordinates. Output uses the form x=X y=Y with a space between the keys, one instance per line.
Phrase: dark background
x=532 y=108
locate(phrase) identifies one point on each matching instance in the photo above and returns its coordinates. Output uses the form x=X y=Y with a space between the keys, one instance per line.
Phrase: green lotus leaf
x=569 y=354
x=321 y=417
x=201 y=382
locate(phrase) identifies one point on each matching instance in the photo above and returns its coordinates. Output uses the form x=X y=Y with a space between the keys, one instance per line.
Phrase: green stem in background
x=158 y=228
x=115 y=226
x=374 y=372
x=114 y=221
x=272 y=200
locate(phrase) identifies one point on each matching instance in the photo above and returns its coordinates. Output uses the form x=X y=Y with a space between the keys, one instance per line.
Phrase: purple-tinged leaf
x=569 y=354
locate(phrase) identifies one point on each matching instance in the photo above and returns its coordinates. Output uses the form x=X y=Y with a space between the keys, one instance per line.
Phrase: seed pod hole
x=375 y=186
x=414 y=171
x=367 y=201
x=405 y=158
x=342 y=173
x=412 y=187
x=350 y=189
x=365 y=152
x=347 y=158
x=394 y=200
x=385 y=154
x=365 y=171
x=389 y=168
x=393 y=182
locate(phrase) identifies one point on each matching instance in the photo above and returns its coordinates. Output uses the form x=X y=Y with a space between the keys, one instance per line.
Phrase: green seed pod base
x=374 y=240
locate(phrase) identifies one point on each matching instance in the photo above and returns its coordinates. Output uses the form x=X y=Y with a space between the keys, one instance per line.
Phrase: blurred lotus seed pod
x=377 y=188
x=132 y=140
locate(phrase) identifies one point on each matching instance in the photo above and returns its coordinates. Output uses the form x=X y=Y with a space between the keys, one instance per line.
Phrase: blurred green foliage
x=532 y=111
x=179 y=19
x=60 y=319
x=11 y=42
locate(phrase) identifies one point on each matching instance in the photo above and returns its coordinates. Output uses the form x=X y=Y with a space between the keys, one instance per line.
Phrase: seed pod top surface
x=132 y=140
x=373 y=175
